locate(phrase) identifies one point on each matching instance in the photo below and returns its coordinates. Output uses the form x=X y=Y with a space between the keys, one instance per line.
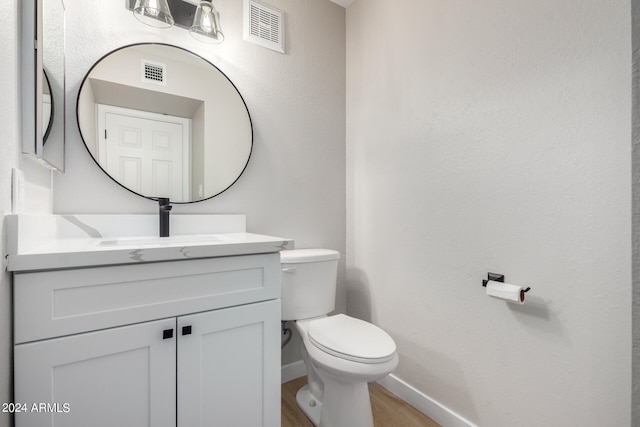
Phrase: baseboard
x=292 y=371
x=423 y=403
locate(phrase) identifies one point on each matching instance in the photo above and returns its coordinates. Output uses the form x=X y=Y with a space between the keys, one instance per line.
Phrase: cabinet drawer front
x=57 y=303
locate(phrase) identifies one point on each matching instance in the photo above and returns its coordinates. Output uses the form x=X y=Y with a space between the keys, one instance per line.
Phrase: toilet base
x=346 y=404
x=311 y=406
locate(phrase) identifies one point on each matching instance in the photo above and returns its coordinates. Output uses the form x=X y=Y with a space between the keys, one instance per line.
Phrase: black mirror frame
x=192 y=53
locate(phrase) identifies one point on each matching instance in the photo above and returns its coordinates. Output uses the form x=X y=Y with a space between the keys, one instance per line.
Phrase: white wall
x=38 y=182
x=9 y=114
x=294 y=185
x=484 y=137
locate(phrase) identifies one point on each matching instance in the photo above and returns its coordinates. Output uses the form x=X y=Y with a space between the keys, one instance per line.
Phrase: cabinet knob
x=167 y=333
x=186 y=330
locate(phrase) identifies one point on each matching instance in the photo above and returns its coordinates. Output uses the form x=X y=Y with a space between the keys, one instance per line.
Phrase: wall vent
x=153 y=72
x=264 y=25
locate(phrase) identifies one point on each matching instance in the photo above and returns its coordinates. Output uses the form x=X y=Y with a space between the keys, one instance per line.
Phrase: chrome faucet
x=164 y=209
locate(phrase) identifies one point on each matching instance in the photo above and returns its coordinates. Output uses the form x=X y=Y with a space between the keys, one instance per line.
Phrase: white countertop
x=53 y=251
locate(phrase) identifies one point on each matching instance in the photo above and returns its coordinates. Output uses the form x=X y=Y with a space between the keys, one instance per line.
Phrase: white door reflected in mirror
x=147 y=152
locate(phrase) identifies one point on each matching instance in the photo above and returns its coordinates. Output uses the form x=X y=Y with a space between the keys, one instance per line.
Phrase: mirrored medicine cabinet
x=43 y=81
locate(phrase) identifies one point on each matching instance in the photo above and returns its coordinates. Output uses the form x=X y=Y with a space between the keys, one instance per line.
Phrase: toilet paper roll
x=506 y=291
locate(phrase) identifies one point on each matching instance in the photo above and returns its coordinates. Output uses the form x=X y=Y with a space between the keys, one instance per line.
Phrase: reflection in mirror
x=47 y=107
x=164 y=122
x=53 y=79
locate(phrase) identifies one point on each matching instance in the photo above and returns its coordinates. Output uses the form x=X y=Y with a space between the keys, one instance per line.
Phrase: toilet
x=341 y=353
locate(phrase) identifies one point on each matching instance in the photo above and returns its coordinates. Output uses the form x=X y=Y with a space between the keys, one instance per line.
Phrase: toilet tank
x=308 y=282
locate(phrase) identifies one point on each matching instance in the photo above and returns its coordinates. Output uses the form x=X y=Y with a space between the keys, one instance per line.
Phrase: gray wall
x=495 y=136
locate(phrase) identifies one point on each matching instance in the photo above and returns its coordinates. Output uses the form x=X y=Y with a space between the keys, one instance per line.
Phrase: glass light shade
x=206 y=24
x=154 y=13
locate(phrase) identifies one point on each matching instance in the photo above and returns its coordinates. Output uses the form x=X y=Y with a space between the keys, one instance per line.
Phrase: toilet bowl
x=342 y=354
x=341 y=397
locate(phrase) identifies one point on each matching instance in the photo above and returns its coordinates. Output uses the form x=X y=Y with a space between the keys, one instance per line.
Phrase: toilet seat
x=351 y=339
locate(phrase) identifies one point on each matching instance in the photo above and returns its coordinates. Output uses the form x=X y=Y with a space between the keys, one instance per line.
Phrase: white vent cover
x=264 y=25
x=153 y=72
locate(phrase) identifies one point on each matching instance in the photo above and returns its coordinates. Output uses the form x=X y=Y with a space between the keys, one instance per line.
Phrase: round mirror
x=47 y=107
x=164 y=122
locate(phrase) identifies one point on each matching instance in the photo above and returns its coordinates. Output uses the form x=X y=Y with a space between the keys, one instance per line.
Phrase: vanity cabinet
x=182 y=343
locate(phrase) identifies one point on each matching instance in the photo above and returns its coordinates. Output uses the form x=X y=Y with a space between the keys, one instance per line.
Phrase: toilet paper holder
x=495 y=277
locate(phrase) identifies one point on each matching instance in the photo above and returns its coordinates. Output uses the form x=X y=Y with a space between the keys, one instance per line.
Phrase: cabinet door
x=229 y=367
x=116 y=377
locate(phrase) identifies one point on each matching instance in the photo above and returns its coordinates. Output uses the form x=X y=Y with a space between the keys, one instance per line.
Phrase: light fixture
x=154 y=13
x=206 y=24
x=198 y=16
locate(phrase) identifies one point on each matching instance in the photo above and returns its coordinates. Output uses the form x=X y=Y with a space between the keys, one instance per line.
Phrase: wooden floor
x=388 y=409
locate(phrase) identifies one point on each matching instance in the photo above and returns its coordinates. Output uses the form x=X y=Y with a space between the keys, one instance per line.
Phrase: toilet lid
x=351 y=339
x=294 y=256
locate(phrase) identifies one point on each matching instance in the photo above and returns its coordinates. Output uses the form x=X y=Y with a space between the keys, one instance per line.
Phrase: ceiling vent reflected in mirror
x=264 y=25
x=153 y=72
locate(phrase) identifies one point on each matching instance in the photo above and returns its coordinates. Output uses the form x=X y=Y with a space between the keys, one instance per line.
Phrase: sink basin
x=162 y=241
